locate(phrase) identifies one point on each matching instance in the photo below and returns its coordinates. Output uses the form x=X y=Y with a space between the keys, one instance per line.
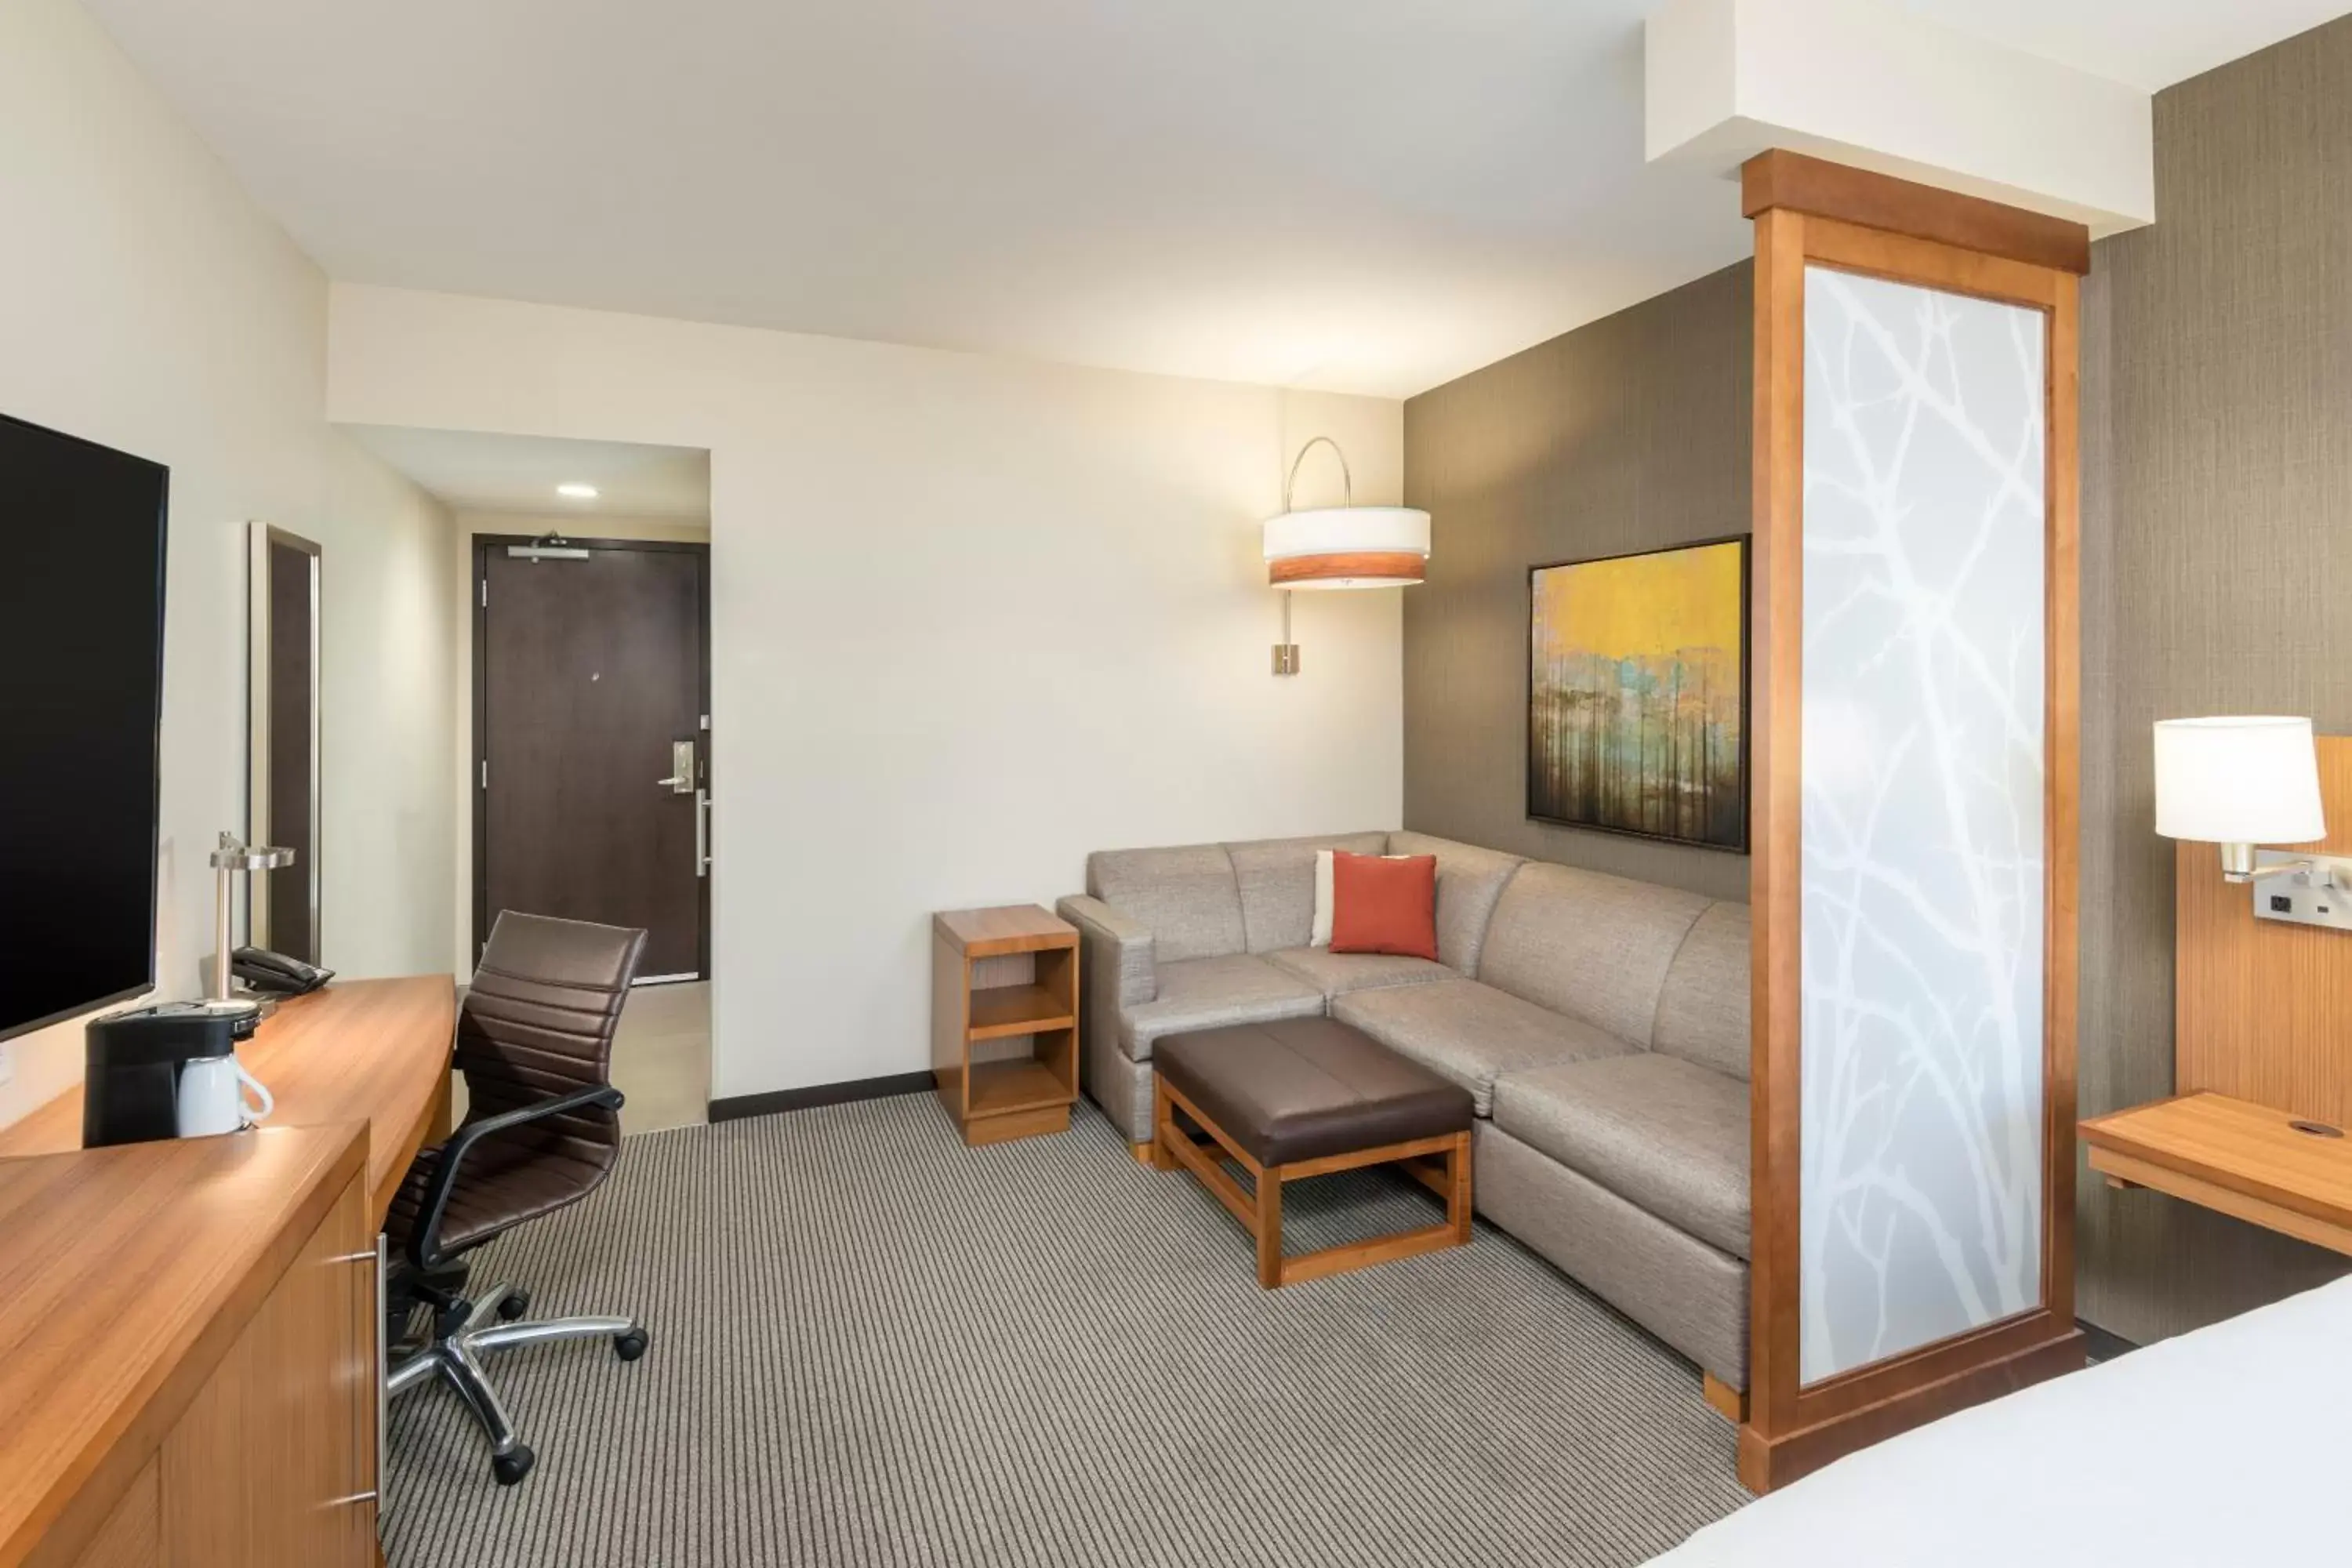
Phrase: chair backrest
x=537 y=1022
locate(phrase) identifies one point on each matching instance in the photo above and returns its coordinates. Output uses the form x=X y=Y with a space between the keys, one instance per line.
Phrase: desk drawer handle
x=367 y=1256
x=352 y=1501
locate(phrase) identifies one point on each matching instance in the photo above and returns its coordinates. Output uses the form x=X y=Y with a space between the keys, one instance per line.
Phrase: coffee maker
x=137 y=1061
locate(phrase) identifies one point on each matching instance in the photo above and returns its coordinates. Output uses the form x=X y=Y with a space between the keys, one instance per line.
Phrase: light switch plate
x=2319 y=896
x=7 y=1066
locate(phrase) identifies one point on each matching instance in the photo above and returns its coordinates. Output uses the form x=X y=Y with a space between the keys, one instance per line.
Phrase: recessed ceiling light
x=577 y=492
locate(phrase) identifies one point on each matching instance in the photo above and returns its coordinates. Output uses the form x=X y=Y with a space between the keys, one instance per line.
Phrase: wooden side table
x=1004 y=1020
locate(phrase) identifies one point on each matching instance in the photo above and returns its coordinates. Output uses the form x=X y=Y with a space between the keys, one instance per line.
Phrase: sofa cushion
x=1337 y=973
x=1659 y=1132
x=1703 y=1011
x=1592 y=946
x=1276 y=881
x=1471 y=1033
x=1206 y=993
x=1469 y=880
x=1185 y=895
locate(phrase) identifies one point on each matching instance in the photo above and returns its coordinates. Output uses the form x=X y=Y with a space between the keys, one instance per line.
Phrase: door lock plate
x=681 y=768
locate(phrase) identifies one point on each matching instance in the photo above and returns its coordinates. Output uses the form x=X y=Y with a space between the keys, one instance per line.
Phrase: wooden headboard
x=2263 y=1010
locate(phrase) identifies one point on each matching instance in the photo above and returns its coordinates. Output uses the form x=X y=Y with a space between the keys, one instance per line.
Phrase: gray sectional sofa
x=1599 y=1025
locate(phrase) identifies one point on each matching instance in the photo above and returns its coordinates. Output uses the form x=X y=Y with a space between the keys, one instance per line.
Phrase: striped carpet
x=875 y=1347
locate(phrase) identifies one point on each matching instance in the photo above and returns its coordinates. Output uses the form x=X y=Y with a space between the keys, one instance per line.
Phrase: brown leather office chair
x=543 y=1128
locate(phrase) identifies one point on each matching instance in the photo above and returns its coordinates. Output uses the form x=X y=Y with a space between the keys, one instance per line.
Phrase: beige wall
x=971 y=617
x=147 y=304
x=2217 y=453
x=1628 y=434
x=575 y=524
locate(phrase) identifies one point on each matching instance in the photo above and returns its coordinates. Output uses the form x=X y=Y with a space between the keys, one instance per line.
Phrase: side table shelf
x=1005 y=1021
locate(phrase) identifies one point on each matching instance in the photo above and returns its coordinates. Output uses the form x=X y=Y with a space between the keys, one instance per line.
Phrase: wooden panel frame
x=1793 y=180
x=1805 y=217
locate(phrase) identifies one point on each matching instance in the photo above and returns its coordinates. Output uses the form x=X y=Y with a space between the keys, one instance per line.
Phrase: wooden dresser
x=189 y=1358
x=187 y=1354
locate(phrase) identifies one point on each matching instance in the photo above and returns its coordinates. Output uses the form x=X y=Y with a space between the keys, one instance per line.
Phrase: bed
x=2230 y=1446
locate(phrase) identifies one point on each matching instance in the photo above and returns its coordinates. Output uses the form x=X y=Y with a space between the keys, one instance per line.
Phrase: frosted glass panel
x=1920 y=1211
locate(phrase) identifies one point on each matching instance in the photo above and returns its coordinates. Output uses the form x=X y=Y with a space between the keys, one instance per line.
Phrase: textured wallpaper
x=2217 y=562
x=1629 y=434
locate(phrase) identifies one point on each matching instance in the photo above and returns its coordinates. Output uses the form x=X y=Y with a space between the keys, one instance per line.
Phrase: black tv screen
x=82 y=688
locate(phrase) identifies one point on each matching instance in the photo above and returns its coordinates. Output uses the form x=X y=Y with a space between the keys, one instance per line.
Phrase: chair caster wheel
x=630 y=1345
x=513 y=1305
x=513 y=1465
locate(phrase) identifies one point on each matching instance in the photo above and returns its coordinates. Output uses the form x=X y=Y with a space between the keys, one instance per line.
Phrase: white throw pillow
x=1321 y=935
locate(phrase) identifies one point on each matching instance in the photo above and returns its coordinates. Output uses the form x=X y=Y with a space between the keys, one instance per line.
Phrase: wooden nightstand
x=1004 y=1020
x=2244 y=1160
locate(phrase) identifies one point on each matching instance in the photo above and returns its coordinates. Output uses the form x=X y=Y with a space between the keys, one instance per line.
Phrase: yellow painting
x=1637 y=694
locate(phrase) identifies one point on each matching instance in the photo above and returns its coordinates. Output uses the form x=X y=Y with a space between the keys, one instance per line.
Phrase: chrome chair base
x=456 y=1357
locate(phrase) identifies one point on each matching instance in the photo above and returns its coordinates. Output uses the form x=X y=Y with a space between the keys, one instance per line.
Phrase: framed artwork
x=1637 y=694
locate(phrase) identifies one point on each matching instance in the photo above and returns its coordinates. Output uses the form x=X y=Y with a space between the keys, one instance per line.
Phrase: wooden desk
x=187 y=1351
x=371 y=1051
x=2244 y=1160
x=188 y=1356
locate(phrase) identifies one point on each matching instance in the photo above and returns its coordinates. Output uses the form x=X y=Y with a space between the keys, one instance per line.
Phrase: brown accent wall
x=2217 y=568
x=1631 y=433
x=2216 y=573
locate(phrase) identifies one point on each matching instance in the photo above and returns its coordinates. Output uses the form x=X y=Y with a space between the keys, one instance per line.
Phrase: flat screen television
x=81 y=694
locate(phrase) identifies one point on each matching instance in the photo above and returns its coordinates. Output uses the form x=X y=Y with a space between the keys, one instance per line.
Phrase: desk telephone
x=274 y=974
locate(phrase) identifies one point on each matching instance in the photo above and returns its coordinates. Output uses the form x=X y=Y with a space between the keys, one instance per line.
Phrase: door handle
x=681 y=769
x=702 y=833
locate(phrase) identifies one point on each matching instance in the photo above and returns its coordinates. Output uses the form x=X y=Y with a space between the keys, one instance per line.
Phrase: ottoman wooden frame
x=1440 y=1163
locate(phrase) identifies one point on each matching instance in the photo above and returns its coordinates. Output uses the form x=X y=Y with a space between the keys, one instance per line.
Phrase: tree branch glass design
x=1922 y=869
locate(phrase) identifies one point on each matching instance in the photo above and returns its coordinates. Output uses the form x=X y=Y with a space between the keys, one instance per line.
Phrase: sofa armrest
x=1119 y=972
x=1116 y=950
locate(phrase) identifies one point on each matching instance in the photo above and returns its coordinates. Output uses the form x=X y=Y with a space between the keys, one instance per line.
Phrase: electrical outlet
x=2318 y=896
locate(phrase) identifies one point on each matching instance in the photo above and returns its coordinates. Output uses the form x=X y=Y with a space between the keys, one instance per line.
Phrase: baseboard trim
x=1767 y=1463
x=736 y=1107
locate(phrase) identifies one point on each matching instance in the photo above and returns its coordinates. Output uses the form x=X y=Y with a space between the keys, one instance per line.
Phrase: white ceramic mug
x=213 y=1098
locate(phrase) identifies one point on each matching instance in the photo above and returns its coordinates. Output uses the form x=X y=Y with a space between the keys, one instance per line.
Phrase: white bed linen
x=2230 y=1446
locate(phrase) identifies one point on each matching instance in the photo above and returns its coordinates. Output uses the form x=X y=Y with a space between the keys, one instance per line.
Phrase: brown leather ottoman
x=1307 y=1097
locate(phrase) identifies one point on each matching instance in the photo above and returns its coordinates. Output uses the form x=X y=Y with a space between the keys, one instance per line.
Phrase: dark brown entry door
x=591 y=686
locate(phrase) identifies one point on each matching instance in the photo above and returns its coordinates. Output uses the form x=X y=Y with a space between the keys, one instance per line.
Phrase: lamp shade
x=2244 y=780
x=1347 y=547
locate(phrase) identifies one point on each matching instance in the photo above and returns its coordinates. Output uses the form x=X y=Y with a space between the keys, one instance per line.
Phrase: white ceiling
x=1366 y=195
x=469 y=471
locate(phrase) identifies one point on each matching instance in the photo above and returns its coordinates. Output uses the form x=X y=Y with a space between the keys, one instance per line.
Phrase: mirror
x=282 y=720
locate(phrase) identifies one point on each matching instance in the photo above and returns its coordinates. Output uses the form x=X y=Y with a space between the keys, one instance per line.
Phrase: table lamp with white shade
x=2237 y=782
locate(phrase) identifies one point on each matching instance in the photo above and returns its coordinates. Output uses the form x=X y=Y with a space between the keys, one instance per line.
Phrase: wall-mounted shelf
x=2247 y=1161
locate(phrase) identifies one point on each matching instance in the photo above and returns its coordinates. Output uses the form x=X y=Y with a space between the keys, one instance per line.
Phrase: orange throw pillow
x=1380 y=905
